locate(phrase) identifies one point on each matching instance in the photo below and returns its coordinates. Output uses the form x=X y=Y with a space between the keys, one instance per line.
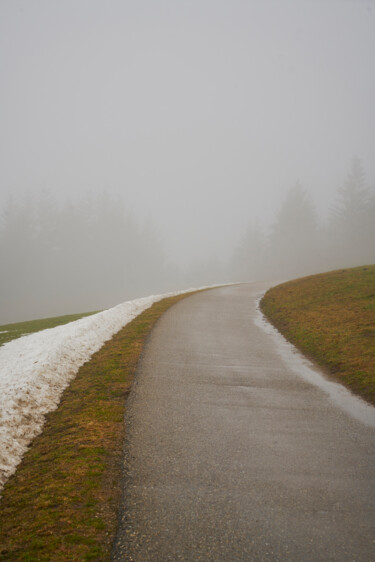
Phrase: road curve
x=231 y=455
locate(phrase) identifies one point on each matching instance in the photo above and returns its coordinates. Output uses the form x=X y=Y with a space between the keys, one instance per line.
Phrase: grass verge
x=10 y=332
x=331 y=318
x=62 y=502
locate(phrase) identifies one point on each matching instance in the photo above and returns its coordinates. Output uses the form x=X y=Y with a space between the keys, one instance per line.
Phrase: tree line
x=299 y=244
x=61 y=258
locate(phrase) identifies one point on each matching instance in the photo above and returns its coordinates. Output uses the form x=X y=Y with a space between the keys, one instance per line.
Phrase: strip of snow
x=291 y=356
x=36 y=368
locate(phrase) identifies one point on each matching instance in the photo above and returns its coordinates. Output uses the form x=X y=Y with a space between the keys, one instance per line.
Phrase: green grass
x=62 y=502
x=10 y=332
x=331 y=318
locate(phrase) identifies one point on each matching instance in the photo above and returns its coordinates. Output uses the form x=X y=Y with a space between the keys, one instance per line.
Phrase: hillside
x=331 y=318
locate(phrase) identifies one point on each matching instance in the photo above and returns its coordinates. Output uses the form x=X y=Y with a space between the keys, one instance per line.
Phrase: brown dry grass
x=331 y=318
x=62 y=502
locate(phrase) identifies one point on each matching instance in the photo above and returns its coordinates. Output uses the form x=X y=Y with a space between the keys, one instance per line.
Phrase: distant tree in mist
x=92 y=254
x=352 y=220
x=289 y=249
x=292 y=243
x=249 y=258
x=204 y=272
x=16 y=254
x=299 y=244
x=370 y=220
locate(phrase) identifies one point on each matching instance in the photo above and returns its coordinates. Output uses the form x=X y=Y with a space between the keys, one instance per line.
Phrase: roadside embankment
x=61 y=504
x=330 y=317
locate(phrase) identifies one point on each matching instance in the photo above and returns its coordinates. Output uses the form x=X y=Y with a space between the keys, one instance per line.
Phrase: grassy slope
x=62 y=502
x=10 y=332
x=331 y=318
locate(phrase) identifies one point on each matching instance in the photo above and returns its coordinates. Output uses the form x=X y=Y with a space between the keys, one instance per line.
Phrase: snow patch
x=36 y=368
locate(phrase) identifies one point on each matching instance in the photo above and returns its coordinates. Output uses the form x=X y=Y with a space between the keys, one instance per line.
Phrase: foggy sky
x=202 y=114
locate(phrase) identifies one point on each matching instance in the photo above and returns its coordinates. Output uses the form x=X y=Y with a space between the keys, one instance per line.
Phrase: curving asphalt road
x=231 y=455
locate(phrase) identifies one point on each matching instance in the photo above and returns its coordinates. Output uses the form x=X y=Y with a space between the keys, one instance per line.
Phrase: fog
x=147 y=146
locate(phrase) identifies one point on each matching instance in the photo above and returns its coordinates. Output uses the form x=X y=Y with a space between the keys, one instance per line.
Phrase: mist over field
x=151 y=146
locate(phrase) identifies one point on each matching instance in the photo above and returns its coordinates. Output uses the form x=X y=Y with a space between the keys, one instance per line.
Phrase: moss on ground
x=331 y=318
x=63 y=500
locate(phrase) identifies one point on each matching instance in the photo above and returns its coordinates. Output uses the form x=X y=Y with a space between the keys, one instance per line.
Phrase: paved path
x=233 y=456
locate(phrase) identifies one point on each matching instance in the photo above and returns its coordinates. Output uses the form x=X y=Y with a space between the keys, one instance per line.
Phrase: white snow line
x=36 y=368
x=293 y=358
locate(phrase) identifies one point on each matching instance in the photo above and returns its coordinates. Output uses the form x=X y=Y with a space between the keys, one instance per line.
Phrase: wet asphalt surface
x=231 y=456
